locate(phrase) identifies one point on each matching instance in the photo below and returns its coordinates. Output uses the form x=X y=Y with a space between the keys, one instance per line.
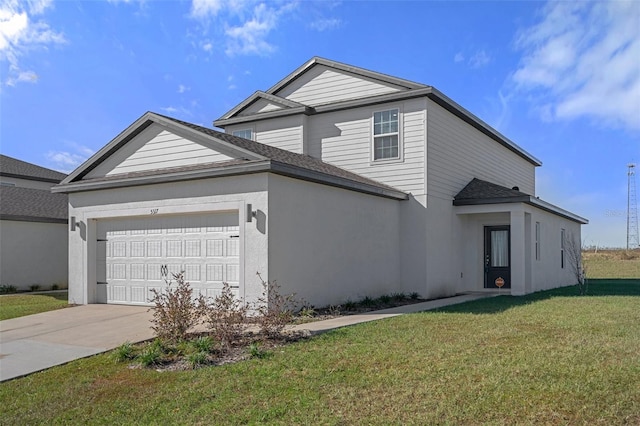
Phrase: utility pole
x=632 y=209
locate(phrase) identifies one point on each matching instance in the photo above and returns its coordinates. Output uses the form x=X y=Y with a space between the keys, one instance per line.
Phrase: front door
x=497 y=257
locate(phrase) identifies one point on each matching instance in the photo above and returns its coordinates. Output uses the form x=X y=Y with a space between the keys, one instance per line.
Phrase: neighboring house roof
x=32 y=205
x=480 y=192
x=250 y=157
x=12 y=167
x=409 y=90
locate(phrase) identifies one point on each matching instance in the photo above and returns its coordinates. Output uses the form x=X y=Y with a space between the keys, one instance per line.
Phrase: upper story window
x=386 y=140
x=244 y=133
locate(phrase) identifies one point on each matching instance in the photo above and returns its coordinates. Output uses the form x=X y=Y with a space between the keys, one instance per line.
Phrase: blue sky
x=561 y=79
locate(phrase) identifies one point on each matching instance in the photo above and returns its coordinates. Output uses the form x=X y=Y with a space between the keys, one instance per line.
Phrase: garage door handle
x=100 y=240
x=234 y=286
x=102 y=282
x=234 y=236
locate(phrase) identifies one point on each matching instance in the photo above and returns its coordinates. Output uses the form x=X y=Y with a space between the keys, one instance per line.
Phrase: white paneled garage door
x=133 y=253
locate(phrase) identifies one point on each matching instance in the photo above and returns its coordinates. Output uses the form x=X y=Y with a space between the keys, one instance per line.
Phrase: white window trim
x=372 y=136
x=537 y=236
x=245 y=129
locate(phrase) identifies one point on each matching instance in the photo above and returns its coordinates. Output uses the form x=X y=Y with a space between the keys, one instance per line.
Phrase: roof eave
x=222 y=123
x=530 y=200
x=25 y=218
x=26 y=177
x=462 y=113
x=255 y=97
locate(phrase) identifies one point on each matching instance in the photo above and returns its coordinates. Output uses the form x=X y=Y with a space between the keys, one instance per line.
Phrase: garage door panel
x=205 y=247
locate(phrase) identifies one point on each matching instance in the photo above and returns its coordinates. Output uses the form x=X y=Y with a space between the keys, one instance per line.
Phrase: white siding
x=167 y=150
x=261 y=105
x=322 y=85
x=457 y=153
x=284 y=133
x=344 y=139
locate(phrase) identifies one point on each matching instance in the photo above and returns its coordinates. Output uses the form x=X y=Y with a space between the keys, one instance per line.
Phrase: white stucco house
x=338 y=182
x=33 y=226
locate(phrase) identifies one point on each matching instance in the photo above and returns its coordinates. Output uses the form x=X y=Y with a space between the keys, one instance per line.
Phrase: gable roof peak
x=317 y=60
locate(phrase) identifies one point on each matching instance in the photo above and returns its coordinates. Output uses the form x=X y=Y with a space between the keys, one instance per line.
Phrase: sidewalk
x=37 y=342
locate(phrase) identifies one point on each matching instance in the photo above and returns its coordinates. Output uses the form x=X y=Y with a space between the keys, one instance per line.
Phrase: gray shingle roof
x=284 y=156
x=479 y=190
x=36 y=205
x=10 y=166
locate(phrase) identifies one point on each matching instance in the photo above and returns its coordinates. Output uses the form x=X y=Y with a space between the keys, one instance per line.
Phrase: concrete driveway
x=40 y=341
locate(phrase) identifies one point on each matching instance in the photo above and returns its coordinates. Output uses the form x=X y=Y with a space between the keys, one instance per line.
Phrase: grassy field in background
x=19 y=305
x=612 y=264
x=548 y=358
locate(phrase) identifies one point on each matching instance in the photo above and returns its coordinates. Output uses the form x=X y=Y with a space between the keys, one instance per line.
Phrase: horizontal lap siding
x=344 y=139
x=167 y=150
x=283 y=133
x=322 y=85
x=458 y=152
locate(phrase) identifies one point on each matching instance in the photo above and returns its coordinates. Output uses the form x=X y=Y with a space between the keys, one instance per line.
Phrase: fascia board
x=264 y=116
x=127 y=134
x=255 y=167
x=255 y=97
x=21 y=218
x=532 y=201
x=462 y=113
x=206 y=140
x=27 y=177
x=543 y=205
x=326 y=179
x=342 y=67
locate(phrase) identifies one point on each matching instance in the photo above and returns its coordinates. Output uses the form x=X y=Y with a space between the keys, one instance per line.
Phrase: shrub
x=414 y=296
x=55 y=287
x=152 y=354
x=8 y=288
x=34 y=287
x=202 y=344
x=275 y=310
x=307 y=312
x=123 y=352
x=197 y=359
x=257 y=352
x=225 y=316
x=398 y=297
x=367 y=302
x=350 y=305
x=385 y=299
x=175 y=310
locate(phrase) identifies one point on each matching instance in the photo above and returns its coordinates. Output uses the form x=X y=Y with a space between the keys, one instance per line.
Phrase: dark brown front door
x=497 y=257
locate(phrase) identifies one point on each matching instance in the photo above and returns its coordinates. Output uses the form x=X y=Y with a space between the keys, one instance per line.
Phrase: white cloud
x=182 y=88
x=326 y=24
x=479 y=59
x=458 y=58
x=21 y=33
x=68 y=160
x=250 y=37
x=582 y=60
x=246 y=24
x=176 y=110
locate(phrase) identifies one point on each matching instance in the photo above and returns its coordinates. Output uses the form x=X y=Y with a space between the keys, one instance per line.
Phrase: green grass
x=613 y=264
x=547 y=358
x=19 y=305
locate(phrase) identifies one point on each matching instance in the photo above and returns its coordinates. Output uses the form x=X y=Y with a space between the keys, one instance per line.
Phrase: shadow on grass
x=596 y=287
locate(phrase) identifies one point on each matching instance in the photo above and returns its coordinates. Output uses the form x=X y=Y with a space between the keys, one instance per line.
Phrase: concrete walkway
x=36 y=342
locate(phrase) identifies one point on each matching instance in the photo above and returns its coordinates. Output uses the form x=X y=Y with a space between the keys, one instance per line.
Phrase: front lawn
x=546 y=358
x=19 y=305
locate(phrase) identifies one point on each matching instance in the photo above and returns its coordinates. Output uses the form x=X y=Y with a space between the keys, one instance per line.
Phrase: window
x=244 y=133
x=7 y=184
x=537 y=240
x=385 y=135
x=562 y=248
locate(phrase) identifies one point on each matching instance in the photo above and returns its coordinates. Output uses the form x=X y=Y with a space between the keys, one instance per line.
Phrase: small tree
x=225 y=316
x=275 y=310
x=176 y=311
x=573 y=251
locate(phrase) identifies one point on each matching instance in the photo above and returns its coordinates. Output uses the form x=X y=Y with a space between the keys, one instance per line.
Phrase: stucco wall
x=33 y=253
x=220 y=194
x=330 y=245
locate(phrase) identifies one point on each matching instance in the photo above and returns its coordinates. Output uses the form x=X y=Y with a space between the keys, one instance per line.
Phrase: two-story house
x=338 y=182
x=33 y=226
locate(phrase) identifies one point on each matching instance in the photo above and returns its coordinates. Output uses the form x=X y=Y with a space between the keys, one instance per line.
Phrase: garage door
x=133 y=253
